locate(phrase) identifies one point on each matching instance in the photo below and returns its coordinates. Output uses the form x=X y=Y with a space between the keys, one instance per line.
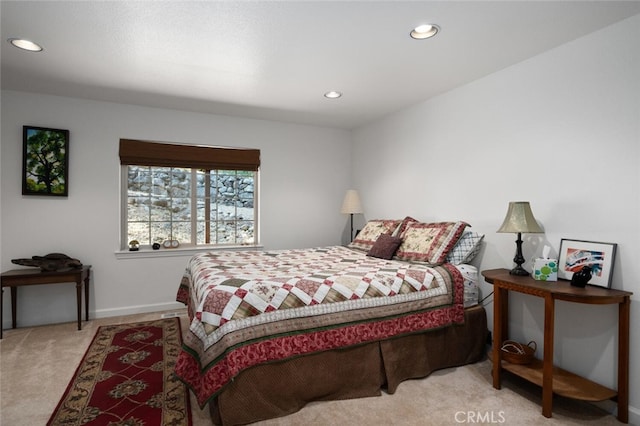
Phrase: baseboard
x=139 y=309
x=612 y=407
x=61 y=318
x=634 y=416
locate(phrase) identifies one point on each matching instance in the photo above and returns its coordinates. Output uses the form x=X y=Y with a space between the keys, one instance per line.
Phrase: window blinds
x=159 y=154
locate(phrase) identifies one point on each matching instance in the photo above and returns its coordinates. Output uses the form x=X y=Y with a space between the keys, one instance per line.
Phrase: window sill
x=180 y=251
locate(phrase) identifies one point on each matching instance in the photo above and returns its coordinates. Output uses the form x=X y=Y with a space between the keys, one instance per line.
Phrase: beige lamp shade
x=520 y=219
x=351 y=203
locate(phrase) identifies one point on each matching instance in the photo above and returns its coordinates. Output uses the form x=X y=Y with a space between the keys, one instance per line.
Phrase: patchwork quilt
x=253 y=307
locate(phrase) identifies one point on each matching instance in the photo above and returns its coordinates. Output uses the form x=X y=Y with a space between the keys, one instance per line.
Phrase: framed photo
x=45 y=161
x=575 y=254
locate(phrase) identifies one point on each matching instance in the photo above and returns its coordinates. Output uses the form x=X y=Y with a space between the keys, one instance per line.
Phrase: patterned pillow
x=371 y=231
x=385 y=246
x=429 y=242
x=466 y=249
x=405 y=222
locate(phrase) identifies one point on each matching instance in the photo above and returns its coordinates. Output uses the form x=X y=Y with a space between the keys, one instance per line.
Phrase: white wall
x=560 y=130
x=299 y=201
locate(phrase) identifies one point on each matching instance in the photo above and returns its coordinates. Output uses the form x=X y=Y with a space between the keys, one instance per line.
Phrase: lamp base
x=519 y=259
x=518 y=270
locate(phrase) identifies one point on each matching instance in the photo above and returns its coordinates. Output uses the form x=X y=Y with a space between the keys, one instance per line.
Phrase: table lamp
x=519 y=219
x=351 y=205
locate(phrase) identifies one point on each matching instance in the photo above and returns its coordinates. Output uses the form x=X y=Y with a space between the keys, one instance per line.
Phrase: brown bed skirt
x=277 y=389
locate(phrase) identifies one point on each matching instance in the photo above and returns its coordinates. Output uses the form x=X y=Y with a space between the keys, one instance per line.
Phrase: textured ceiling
x=274 y=60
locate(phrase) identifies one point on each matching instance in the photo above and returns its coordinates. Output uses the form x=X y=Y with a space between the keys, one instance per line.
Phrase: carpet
x=126 y=378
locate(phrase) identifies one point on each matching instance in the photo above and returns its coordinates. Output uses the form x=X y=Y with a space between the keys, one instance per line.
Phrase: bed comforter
x=254 y=307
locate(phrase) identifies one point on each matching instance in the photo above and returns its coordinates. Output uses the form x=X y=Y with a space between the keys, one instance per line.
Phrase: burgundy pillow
x=385 y=246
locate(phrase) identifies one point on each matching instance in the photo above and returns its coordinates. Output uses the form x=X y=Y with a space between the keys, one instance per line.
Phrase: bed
x=273 y=330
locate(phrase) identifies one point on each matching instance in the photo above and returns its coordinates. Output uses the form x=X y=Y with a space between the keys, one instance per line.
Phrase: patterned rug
x=126 y=378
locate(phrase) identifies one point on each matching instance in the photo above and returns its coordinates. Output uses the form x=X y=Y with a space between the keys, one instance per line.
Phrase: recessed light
x=332 y=95
x=424 y=31
x=25 y=44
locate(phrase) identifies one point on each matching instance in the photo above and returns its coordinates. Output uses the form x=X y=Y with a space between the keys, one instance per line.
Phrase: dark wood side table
x=19 y=277
x=543 y=373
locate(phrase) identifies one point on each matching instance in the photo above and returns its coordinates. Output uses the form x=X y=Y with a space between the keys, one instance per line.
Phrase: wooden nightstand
x=543 y=373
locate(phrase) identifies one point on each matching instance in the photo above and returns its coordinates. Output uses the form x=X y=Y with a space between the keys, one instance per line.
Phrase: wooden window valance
x=158 y=154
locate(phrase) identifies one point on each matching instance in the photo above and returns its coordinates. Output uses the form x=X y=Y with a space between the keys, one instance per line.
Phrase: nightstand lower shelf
x=565 y=383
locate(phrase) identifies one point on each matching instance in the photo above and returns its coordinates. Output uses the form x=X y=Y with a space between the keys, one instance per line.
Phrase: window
x=193 y=194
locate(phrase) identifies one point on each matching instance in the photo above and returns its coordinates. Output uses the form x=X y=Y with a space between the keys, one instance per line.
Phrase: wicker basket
x=517 y=353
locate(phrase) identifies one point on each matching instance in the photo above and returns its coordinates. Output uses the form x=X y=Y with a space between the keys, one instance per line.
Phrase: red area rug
x=126 y=378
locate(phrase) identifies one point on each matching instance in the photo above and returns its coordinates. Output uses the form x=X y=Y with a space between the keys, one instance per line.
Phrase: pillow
x=371 y=231
x=405 y=222
x=466 y=249
x=385 y=246
x=429 y=242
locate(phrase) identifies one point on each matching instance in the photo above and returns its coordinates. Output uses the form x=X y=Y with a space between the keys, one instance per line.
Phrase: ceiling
x=274 y=60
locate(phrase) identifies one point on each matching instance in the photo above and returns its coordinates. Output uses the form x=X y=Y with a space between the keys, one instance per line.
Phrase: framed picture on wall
x=576 y=254
x=45 y=161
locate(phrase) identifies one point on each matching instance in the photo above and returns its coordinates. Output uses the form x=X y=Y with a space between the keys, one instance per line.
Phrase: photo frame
x=45 y=161
x=574 y=254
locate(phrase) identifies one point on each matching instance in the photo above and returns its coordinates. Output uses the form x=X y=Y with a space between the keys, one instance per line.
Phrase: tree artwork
x=45 y=161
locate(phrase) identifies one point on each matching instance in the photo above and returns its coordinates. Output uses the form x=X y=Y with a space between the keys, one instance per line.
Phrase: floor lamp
x=351 y=205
